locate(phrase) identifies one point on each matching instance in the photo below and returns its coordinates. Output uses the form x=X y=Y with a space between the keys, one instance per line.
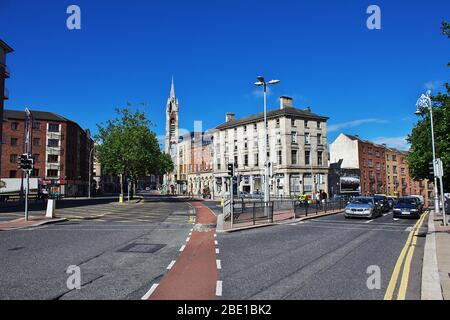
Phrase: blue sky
x=366 y=81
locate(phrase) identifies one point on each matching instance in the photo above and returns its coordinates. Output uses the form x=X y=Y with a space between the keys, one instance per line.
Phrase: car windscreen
x=406 y=201
x=361 y=201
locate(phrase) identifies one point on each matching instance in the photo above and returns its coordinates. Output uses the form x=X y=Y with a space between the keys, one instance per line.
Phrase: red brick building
x=4 y=74
x=60 y=148
x=373 y=167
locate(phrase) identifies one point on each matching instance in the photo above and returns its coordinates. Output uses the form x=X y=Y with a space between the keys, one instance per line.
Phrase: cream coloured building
x=297 y=143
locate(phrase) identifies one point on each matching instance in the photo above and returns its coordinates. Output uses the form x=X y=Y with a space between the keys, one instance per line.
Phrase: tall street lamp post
x=262 y=83
x=90 y=171
x=425 y=102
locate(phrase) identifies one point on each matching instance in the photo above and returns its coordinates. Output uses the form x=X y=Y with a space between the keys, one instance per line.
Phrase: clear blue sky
x=366 y=81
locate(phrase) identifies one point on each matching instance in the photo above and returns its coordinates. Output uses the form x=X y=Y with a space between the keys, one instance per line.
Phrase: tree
x=127 y=147
x=421 y=154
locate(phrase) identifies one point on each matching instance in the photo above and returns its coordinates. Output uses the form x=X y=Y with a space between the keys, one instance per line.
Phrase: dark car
x=392 y=201
x=362 y=207
x=407 y=207
x=383 y=202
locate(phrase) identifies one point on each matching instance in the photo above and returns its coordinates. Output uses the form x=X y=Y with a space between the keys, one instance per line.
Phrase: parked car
x=407 y=207
x=363 y=207
x=383 y=202
x=421 y=199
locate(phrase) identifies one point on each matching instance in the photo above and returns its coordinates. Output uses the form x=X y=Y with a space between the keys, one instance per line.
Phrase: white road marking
x=369 y=221
x=182 y=248
x=149 y=292
x=187 y=239
x=409 y=229
x=215 y=242
x=219 y=264
x=217 y=250
x=171 y=265
x=219 y=289
x=215 y=235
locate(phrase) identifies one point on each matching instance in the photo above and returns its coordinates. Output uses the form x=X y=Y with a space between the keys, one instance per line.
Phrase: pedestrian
x=318 y=197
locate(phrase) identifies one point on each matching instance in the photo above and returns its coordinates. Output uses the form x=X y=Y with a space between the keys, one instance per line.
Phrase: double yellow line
x=405 y=256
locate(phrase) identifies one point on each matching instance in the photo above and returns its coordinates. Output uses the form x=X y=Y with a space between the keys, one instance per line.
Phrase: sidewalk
x=282 y=217
x=32 y=222
x=442 y=236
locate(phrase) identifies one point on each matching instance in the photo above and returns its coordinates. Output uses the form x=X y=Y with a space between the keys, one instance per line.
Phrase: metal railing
x=306 y=208
x=246 y=211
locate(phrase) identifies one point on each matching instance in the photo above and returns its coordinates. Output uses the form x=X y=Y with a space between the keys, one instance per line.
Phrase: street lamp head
x=261 y=79
x=259 y=84
x=274 y=81
x=418 y=112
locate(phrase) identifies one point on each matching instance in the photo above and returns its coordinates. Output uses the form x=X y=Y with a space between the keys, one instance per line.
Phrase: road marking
x=393 y=281
x=219 y=265
x=407 y=267
x=369 y=221
x=216 y=243
x=171 y=265
x=149 y=293
x=409 y=229
x=217 y=250
x=219 y=289
x=182 y=248
x=187 y=239
x=215 y=235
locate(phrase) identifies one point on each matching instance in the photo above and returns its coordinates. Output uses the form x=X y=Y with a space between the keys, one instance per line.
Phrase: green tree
x=128 y=148
x=421 y=154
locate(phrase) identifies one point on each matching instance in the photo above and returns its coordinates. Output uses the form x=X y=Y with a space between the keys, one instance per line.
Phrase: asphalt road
x=120 y=253
x=325 y=259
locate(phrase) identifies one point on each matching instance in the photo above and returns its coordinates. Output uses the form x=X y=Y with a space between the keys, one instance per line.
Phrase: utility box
x=50 y=214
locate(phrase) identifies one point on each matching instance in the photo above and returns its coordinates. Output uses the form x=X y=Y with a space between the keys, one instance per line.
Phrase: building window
x=394 y=157
x=14 y=141
x=256 y=159
x=307 y=157
x=35 y=173
x=14 y=126
x=54 y=143
x=279 y=157
x=307 y=138
x=13 y=158
x=255 y=126
x=394 y=169
x=319 y=158
x=294 y=157
x=278 y=137
x=370 y=163
x=36 y=142
x=246 y=160
x=318 y=124
x=13 y=174
x=294 y=136
x=306 y=123
x=53 y=127
x=52 y=158
x=292 y=122
x=235 y=161
x=36 y=158
x=52 y=173
x=277 y=123
x=377 y=153
x=370 y=150
x=245 y=128
x=319 y=139
x=36 y=125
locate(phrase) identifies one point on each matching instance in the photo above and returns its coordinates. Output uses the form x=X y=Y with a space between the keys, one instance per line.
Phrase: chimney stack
x=308 y=109
x=285 y=102
x=229 y=117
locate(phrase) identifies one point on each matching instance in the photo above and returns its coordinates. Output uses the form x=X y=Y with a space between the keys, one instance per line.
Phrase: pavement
x=436 y=266
x=21 y=223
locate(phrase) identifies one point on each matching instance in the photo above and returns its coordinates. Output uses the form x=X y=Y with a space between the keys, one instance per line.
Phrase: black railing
x=244 y=211
x=306 y=208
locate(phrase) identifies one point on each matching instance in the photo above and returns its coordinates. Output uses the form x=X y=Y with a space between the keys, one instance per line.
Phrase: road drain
x=137 y=247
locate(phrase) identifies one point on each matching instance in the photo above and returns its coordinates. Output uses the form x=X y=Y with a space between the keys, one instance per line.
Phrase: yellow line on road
x=407 y=267
x=393 y=282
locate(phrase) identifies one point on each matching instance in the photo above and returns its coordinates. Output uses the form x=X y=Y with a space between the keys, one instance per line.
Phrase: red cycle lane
x=194 y=275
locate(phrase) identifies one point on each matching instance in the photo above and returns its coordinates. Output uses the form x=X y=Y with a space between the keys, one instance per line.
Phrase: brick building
x=4 y=74
x=60 y=148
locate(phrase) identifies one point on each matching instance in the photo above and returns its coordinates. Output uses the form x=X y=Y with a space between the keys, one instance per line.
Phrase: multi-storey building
x=297 y=149
x=366 y=156
x=4 y=74
x=399 y=183
x=60 y=148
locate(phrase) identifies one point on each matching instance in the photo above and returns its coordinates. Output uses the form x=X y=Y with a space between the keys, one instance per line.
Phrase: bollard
x=50 y=213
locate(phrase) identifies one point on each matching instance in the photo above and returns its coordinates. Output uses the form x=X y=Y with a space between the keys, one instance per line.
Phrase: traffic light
x=432 y=168
x=25 y=162
x=231 y=169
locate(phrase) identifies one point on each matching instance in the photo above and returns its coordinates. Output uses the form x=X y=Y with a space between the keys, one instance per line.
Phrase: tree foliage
x=128 y=147
x=421 y=152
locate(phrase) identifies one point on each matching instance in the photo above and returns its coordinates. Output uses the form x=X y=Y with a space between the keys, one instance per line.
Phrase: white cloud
x=431 y=85
x=354 y=123
x=393 y=142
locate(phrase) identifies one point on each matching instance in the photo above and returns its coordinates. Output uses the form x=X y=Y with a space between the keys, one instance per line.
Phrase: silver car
x=362 y=207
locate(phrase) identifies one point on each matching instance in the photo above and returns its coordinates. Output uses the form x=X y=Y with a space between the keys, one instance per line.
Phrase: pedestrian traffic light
x=25 y=162
x=432 y=168
x=231 y=169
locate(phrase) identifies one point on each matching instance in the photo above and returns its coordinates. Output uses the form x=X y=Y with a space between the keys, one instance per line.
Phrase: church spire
x=172 y=89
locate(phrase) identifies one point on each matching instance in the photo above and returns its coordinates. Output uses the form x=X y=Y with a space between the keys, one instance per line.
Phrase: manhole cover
x=142 y=248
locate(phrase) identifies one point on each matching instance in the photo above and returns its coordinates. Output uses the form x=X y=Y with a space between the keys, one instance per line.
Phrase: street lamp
x=262 y=83
x=425 y=102
x=90 y=171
